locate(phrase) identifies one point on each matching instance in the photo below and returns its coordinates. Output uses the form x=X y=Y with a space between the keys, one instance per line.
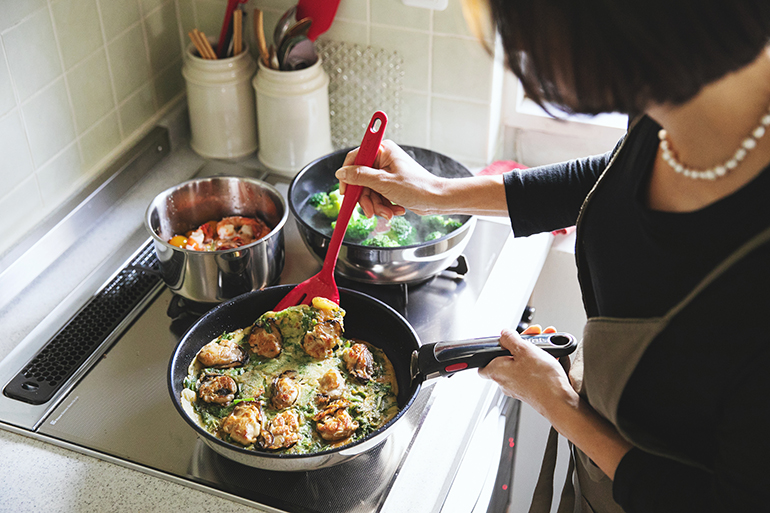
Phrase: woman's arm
x=537 y=378
x=396 y=181
x=547 y=196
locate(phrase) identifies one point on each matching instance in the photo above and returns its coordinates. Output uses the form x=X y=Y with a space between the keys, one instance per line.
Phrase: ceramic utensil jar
x=221 y=103
x=292 y=116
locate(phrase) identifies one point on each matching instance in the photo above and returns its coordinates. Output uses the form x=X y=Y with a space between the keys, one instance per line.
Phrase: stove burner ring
x=180 y=307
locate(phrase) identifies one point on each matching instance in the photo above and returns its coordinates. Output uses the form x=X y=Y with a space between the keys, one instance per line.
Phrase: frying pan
x=366 y=318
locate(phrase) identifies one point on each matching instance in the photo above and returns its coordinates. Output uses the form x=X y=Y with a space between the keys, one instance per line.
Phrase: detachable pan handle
x=446 y=358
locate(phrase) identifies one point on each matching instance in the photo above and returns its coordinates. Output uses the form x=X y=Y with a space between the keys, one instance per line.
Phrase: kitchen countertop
x=39 y=476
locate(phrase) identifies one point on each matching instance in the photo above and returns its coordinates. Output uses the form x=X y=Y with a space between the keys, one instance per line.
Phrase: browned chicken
x=223 y=354
x=359 y=361
x=321 y=340
x=266 y=339
x=218 y=389
x=244 y=424
x=282 y=432
x=285 y=390
x=334 y=423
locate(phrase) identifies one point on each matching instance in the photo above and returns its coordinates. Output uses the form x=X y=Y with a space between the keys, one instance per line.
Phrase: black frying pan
x=366 y=318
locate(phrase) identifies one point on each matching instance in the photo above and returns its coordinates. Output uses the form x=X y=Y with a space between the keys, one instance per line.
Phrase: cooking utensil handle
x=446 y=358
x=367 y=153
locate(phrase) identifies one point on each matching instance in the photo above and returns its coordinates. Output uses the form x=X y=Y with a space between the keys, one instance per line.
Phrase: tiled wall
x=81 y=80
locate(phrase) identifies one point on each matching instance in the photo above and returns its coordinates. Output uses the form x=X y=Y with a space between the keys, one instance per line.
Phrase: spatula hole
x=376 y=126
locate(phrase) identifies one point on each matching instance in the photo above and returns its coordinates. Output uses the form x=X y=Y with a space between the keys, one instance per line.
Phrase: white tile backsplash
x=33 y=56
x=130 y=67
x=50 y=126
x=77 y=28
x=7 y=99
x=13 y=11
x=16 y=164
x=91 y=90
x=117 y=16
x=80 y=80
x=461 y=69
x=60 y=176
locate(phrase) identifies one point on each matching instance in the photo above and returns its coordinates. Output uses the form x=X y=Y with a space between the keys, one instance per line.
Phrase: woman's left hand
x=529 y=374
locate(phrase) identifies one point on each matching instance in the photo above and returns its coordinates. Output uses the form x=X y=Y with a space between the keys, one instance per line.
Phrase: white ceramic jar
x=221 y=104
x=292 y=117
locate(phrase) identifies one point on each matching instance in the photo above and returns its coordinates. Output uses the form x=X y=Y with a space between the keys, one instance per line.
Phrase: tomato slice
x=179 y=241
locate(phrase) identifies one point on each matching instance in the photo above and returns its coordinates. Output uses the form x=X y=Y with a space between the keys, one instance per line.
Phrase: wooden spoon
x=259 y=31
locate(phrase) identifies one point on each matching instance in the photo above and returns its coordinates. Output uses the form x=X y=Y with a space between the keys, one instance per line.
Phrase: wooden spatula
x=323 y=284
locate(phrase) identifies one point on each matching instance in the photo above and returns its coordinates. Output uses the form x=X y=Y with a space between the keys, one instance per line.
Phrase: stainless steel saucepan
x=215 y=276
x=365 y=264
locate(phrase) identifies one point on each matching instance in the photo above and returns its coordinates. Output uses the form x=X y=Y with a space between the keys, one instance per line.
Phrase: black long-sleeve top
x=702 y=386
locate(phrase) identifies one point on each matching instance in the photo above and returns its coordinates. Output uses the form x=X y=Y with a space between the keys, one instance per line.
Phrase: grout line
x=142 y=20
x=73 y=118
x=109 y=68
x=180 y=29
x=19 y=22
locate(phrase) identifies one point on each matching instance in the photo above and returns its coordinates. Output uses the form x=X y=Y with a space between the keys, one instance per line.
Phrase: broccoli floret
x=380 y=241
x=359 y=226
x=327 y=204
x=433 y=236
x=440 y=224
x=402 y=231
x=317 y=199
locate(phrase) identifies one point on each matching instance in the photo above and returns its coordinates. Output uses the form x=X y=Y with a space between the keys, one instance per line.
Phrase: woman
x=673 y=243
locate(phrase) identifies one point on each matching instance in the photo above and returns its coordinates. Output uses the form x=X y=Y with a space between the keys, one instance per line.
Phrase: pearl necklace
x=715 y=172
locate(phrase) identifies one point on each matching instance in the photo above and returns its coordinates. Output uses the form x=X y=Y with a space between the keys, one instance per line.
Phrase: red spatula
x=323 y=284
x=322 y=13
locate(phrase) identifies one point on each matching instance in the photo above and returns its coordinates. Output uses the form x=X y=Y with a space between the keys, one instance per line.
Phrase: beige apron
x=610 y=350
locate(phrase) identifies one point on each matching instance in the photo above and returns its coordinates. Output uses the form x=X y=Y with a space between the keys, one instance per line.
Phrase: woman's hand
x=395 y=182
x=537 y=378
x=530 y=374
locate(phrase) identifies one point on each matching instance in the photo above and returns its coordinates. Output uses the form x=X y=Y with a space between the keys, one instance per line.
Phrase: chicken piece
x=285 y=390
x=320 y=341
x=331 y=381
x=223 y=354
x=282 y=432
x=359 y=361
x=334 y=423
x=330 y=386
x=266 y=339
x=217 y=389
x=244 y=424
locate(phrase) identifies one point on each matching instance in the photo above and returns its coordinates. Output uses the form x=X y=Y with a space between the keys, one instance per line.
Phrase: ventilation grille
x=84 y=333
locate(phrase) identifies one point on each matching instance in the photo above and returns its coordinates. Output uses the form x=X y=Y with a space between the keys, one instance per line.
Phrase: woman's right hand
x=395 y=182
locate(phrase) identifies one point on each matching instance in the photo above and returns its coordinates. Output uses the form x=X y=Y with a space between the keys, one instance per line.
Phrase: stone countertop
x=38 y=476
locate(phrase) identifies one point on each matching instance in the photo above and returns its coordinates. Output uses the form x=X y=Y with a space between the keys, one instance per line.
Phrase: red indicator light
x=510 y=442
x=505 y=487
x=456 y=367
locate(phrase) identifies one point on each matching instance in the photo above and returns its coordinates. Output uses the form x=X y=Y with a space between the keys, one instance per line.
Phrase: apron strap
x=568 y=492
x=543 y=495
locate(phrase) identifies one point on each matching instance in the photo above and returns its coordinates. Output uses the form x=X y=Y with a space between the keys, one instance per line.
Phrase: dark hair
x=593 y=56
